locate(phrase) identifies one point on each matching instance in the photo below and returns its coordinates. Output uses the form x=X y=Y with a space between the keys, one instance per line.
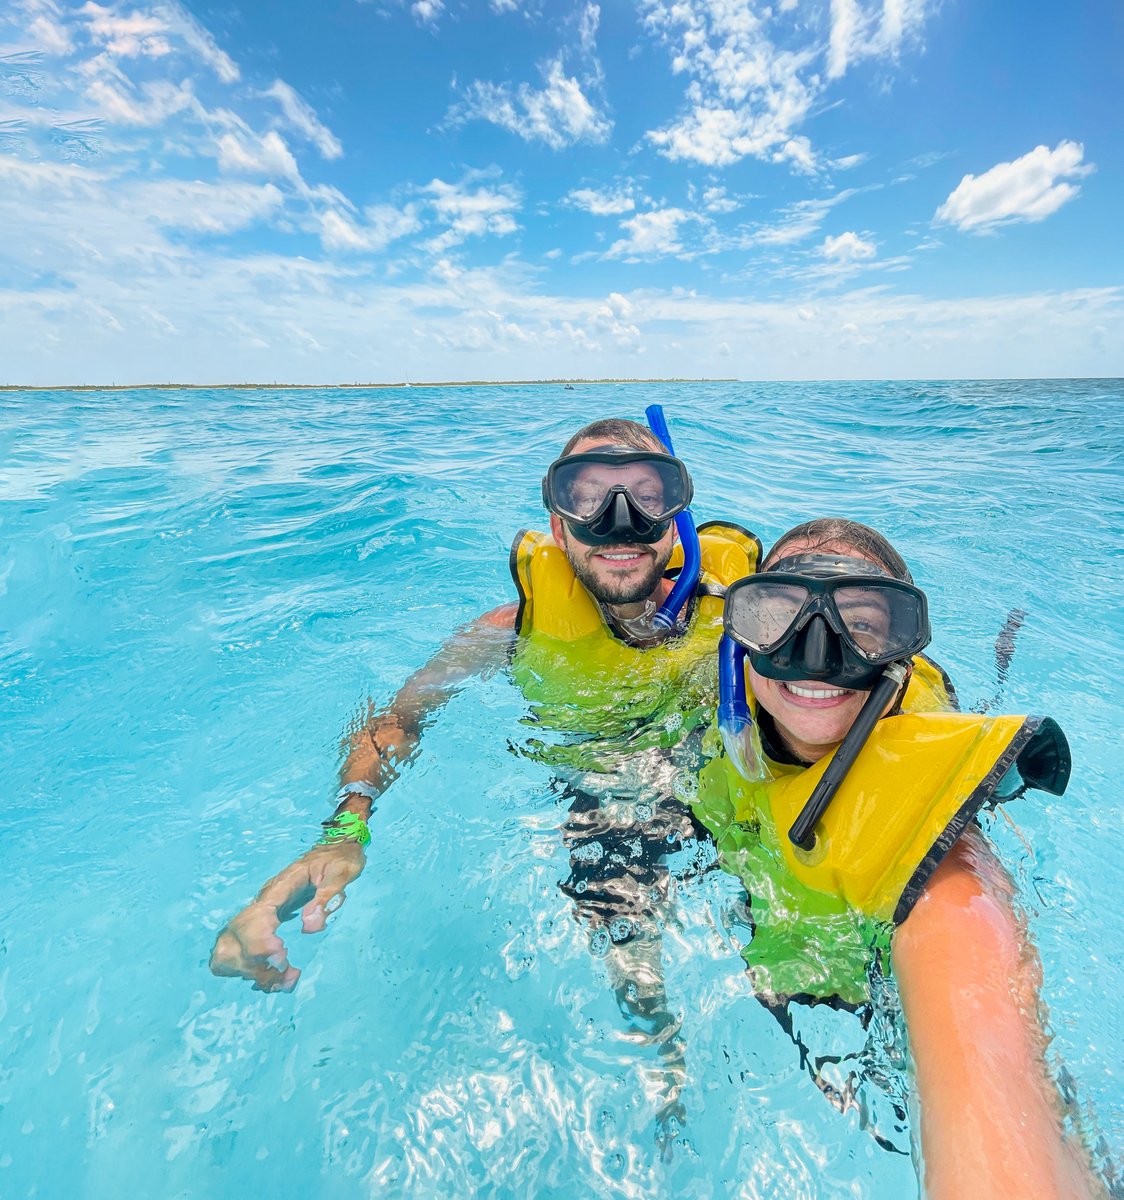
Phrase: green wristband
x=345 y=827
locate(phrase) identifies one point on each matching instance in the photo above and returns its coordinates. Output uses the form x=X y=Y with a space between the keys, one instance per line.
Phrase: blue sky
x=503 y=189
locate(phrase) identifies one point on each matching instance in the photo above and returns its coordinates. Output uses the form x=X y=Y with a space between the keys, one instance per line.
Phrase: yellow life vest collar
x=553 y=601
x=916 y=785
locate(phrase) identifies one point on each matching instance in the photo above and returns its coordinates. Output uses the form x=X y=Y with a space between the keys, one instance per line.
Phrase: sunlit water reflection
x=197 y=590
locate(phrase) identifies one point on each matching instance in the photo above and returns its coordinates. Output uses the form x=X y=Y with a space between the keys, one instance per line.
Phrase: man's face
x=617 y=574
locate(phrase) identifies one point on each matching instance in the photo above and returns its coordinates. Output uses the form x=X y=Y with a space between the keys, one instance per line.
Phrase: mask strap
x=803 y=831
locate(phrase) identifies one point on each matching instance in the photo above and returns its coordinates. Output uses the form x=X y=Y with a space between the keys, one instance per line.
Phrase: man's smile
x=621 y=556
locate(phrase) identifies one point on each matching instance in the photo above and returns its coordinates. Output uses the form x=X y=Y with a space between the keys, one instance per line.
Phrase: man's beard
x=619 y=591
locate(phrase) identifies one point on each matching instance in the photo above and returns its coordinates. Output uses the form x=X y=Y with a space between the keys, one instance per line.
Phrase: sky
x=424 y=190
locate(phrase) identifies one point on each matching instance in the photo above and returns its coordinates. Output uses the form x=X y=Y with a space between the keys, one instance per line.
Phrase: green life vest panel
x=608 y=698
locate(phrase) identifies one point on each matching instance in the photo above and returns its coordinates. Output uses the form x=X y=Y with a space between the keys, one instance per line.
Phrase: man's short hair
x=616 y=431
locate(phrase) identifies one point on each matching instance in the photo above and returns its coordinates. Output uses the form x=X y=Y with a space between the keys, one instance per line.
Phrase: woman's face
x=811 y=716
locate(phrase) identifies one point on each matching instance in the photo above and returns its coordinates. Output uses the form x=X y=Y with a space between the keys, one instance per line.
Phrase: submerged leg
x=619 y=885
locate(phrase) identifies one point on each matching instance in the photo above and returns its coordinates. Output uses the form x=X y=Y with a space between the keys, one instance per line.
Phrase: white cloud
x=860 y=31
x=718 y=136
x=135 y=35
x=302 y=117
x=1028 y=189
x=267 y=156
x=156 y=102
x=38 y=180
x=559 y=113
x=614 y=319
x=383 y=225
x=50 y=35
x=426 y=12
x=139 y=34
x=504 y=6
x=848 y=161
x=471 y=212
x=202 y=43
x=844 y=18
x=205 y=207
x=133 y=305
x=798 y=221
x=747 y=96
x=715 y=200
x=588 y=21
x=652 y=234
x=602 y=204
x=847 y=248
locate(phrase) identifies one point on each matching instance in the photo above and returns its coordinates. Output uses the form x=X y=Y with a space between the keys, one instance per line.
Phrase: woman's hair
x=835 y=532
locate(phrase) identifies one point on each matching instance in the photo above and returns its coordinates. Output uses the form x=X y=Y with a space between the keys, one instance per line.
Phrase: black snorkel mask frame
x=828 y=617
x=620 y=518
x=808 y=637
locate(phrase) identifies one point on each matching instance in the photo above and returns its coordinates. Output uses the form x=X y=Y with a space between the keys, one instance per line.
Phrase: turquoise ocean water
x=197 y=591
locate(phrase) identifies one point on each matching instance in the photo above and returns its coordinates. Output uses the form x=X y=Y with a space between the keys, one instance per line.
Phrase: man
x=598 y=657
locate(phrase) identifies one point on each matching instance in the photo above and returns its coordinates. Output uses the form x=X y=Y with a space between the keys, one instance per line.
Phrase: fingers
x=273 y=980
x=272 y=974
x=330 y=877
x=249 y=948
x=315 y=914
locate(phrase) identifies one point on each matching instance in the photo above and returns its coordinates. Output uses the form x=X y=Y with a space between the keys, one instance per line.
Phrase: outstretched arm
x=249 y=946
x=991 y=1120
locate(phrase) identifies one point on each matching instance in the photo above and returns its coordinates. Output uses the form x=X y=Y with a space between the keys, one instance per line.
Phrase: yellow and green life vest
x=605 y=697
x=915 y=787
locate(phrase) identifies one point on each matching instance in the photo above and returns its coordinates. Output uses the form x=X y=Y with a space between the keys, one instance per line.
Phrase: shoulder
x=499 y=618
x=966 y=911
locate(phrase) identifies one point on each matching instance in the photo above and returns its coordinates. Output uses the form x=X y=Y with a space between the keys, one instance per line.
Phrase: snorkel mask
x=626 y=507
x=617 y=495
x=832 y=618
x=826 y=617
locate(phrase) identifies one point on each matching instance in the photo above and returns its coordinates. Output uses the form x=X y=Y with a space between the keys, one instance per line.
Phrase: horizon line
x=136 y=387
x=405 y=383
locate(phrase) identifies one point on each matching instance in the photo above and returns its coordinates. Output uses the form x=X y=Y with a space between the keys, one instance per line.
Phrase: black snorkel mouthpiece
x=803 y=831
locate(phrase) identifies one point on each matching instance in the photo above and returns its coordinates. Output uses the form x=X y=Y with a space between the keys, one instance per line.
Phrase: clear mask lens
x=761 y=616
x=880 y=621
x=882 y=624
x=581 y=489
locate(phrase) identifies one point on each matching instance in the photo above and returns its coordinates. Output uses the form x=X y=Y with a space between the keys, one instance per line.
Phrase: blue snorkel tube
x=733 y=707
x=735 y=722
x=688 y=580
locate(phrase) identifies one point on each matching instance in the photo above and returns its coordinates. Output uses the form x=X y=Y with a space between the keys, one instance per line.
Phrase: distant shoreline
x=305 y=387
x=462 y=383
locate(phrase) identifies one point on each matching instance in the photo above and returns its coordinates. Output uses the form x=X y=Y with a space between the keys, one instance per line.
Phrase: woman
x=847 y=805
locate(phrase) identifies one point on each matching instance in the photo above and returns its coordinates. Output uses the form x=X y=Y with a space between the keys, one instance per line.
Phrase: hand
x=249 y=946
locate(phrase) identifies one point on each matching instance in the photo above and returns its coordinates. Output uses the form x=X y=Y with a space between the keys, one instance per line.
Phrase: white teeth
x=815 y=693
x=620 y=557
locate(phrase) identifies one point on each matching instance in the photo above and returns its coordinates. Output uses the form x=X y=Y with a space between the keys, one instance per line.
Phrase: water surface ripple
x=197 y=591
